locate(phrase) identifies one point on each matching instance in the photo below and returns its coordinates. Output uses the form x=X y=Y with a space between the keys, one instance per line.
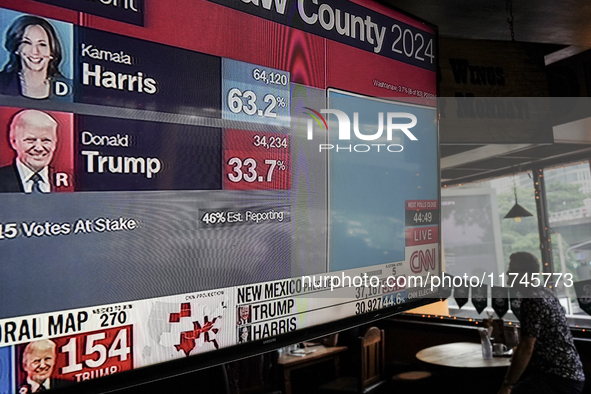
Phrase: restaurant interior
x=511 y=180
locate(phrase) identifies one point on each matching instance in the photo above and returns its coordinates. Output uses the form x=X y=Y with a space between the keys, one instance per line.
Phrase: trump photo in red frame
x=36 y=151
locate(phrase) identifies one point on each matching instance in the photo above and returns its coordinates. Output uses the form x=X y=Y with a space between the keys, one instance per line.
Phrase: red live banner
x=422 y=235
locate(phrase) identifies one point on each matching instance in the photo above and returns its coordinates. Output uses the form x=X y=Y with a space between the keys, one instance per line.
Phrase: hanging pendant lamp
x=517 y=212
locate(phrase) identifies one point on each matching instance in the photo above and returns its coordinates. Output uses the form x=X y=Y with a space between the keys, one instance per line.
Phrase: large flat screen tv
x=188 y=182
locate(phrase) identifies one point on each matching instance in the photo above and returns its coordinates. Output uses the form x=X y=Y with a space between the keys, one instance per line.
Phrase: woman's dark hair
x=14 y=38
x=524 y=262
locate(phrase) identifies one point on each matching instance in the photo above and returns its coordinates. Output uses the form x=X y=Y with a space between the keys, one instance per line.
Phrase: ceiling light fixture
x=517 y=212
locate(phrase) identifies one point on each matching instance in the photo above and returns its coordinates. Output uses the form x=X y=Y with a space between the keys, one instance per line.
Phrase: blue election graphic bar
x=255 y=94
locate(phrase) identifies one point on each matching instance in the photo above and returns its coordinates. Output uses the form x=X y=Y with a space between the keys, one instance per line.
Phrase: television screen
x=205 y=180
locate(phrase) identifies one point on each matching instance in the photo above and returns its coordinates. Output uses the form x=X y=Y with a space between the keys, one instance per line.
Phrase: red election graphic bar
x=94 y=354
x=256 y=160
x=422 y=235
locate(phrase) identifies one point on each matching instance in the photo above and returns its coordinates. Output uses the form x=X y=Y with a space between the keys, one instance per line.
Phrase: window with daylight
x=568 y=196
x=476 y=238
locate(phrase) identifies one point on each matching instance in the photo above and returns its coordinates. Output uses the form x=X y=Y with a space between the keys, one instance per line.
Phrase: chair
x=370 y=375
x=253 y=375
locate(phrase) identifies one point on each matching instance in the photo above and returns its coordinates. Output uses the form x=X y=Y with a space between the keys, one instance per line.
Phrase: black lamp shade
x=517 y=212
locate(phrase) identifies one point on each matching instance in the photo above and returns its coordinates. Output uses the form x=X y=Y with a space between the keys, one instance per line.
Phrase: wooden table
x=460 y=355
x=462 y=367
x=289 y=363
